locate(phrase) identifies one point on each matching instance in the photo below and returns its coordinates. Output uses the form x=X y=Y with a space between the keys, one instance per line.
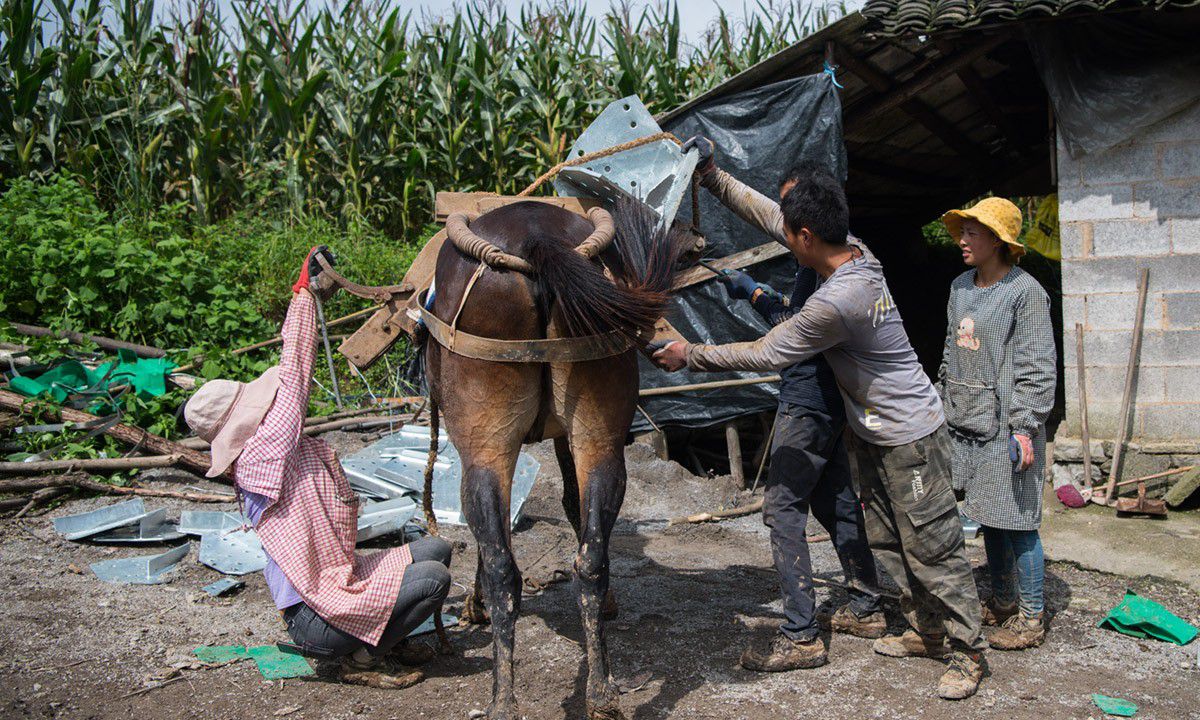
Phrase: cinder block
x=1093 y=203
x=1075 y=239
x=1183 y=311
x=1107 y=384
x=1070 y=170
x=1181 y=160
x=1183 y=125
x=1162 y=200
x=1171 y=347
x=1102 y=420
x=1182 y=383
x=1168 y=273
x=1125 y=163
x=1117 y=311
x=1169 y=421
x=1185 y=235
x=1124 y=238
x=1073 y=307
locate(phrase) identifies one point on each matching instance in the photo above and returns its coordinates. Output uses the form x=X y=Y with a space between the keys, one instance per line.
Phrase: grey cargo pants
x=914 y=530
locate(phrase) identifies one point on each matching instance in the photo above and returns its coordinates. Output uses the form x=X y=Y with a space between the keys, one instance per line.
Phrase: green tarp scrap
x=1114 y=706
x=273 y=664
x=1143 y=618
x=147 y=376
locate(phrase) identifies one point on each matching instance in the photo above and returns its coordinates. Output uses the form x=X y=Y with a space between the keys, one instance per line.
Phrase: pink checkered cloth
x=311 y=521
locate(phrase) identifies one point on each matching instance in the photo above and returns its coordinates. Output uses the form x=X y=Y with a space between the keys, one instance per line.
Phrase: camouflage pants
x=914 y=530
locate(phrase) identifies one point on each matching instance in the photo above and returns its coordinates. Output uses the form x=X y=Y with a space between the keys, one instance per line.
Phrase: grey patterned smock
x=997 y=379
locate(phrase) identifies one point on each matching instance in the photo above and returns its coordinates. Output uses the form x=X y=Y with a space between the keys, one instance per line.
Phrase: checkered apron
x=997 y=378
x=310 y=526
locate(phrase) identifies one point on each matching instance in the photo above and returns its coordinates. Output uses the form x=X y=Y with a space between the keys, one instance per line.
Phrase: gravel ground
x=691 y=598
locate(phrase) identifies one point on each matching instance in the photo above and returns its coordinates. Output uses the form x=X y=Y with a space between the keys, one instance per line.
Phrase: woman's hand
x=672 y=357
x=1025 y=448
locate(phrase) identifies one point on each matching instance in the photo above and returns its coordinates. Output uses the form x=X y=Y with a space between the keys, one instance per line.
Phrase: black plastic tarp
x=1109 y=77
x=760 y=134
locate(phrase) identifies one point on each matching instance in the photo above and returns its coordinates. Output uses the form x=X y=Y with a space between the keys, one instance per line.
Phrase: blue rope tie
x=832 y=73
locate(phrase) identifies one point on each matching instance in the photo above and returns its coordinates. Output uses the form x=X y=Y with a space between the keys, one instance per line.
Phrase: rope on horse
x=458 y=231
x=431 y=518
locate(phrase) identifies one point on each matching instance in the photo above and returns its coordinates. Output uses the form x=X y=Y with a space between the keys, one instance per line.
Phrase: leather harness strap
x=564 y=350
x=378 y=293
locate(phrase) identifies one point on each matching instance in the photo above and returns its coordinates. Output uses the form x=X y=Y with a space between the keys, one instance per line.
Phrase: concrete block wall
x=1135 y=205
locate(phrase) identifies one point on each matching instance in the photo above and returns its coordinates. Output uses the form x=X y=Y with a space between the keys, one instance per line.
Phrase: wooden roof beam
x=923 y=81
x=916 y=109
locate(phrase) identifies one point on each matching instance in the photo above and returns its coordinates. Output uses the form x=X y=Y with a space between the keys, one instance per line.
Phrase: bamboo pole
x=84 y=483
x=1130 y=373
x=1083 y=408
x=81 y=338
x=88 y=464
x=650 y=392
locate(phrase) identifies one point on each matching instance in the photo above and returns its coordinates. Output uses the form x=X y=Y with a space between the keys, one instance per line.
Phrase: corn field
x=357 y=111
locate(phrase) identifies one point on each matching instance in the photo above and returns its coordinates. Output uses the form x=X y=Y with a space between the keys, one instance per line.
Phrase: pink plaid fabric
x=310 y=525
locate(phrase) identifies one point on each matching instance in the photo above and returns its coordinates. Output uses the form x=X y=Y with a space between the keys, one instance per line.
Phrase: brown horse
x=492 y=408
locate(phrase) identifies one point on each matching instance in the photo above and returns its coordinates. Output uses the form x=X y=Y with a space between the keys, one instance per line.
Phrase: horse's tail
x=642 y=267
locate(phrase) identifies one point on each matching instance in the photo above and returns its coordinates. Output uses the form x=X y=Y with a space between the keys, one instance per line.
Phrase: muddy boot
x=994 y=615
x=377 y=672
x=786 y=654
x=1019 y=632
x=844 y=620
x=911 y=644
x=962 y=676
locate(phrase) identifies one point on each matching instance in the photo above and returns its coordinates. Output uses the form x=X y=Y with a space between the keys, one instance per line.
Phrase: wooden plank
x=745 y=258
x=447 y=203
x=716 y=384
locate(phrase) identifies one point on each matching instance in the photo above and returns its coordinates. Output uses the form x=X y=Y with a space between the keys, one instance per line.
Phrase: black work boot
x=786 y=654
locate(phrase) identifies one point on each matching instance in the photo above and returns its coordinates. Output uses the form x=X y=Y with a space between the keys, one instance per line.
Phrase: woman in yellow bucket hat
x=997 y=383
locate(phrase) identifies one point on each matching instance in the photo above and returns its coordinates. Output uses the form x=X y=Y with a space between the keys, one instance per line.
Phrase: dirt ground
x=691 y=598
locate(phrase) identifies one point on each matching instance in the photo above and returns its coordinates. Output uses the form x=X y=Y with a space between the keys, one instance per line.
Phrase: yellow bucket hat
x=999 y=215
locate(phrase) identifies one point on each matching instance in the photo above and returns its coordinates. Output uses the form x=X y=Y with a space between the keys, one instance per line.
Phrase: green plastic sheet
x=1140 y=617
x=273 y=664
x=147 y=376
x=1114 y=706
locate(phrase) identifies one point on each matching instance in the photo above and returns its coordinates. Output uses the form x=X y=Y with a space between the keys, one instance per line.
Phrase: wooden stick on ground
x=719 y=514
x=85 y=483
x=81 y=338
x=363 y=422
x=191 y=459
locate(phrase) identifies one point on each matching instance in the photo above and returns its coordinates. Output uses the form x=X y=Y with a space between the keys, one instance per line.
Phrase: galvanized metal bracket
x=85 y=525
x=657 y=174
x=144 y=570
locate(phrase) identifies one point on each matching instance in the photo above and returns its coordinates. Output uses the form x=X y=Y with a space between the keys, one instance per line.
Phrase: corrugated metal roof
x=921 y=17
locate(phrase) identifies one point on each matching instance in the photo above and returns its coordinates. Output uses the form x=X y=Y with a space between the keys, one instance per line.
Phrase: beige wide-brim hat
x=226 y=414
x=1000 y=216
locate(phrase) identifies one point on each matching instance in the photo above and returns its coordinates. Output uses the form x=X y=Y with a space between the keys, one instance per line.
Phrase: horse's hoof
x=473 y=611
x=609 y=610
x=610 y=710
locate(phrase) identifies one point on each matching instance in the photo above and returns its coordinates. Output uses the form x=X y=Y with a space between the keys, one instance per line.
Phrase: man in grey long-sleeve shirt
x=809 y=470
x=899 y=429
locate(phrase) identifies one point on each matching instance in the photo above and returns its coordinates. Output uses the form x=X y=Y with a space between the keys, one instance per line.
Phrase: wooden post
x=734 y=444
x=1130 y=373
x=1083 y=409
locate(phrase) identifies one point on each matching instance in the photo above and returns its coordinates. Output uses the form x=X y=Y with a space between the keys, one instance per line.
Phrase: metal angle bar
x=152 y=528
x=143 y=570
x=202 y=522
x=94 y=522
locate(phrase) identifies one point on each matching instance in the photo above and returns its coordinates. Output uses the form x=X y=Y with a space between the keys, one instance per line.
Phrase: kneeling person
x=900 y=441
x=337 y=604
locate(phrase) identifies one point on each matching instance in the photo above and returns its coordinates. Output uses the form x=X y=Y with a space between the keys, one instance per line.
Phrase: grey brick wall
x=1133 y=206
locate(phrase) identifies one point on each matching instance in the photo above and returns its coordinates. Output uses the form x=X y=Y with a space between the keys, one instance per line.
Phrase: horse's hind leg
x=596 y=420
x=571 y=502
x=485 y=495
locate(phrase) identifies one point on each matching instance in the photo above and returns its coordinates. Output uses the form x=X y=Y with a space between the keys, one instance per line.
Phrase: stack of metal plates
x=394 y=467
x=127 y=521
